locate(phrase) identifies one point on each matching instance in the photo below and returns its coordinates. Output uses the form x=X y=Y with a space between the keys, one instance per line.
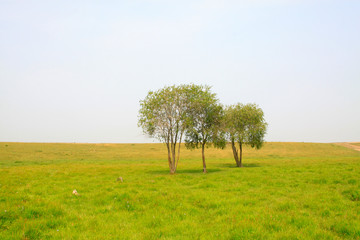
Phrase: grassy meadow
x=284 y=191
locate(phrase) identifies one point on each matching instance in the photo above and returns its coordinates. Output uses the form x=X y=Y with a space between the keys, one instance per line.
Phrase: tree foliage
x=245 y=124
x=205 y=118
x=194 y=112
x=163 y=115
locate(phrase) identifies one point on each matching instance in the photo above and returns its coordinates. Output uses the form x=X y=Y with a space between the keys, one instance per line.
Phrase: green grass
x=285 y=191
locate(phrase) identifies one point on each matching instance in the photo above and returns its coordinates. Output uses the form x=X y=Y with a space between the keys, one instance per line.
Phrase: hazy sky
x=74 y=71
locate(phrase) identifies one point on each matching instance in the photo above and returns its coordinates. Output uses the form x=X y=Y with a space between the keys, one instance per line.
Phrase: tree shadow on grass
x=183 y=171
x=233 y=165
x=211 y=170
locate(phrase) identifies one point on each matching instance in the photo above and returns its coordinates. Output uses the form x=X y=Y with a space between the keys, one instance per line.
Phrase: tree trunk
x=169 y=155
x=235 y=153
x=173 y=162
x=203 y=157
x=240 y=161
x=178 y=156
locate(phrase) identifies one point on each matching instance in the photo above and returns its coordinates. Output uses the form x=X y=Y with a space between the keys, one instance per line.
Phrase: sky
x=75 y=71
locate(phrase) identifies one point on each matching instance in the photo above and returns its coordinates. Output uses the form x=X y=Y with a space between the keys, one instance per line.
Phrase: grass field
x=285 y=191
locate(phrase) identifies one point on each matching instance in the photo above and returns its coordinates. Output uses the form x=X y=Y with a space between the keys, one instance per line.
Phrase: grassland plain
x=285 y=191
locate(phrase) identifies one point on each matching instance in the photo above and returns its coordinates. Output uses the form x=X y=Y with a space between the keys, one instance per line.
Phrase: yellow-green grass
x=285 y=191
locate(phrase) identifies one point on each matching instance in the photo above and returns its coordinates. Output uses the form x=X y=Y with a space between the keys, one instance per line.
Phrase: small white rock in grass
x=120 y=179
x=75 y=192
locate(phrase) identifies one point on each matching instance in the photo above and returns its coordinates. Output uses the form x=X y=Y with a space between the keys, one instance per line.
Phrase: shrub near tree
x=205 y=118
x=245 y=124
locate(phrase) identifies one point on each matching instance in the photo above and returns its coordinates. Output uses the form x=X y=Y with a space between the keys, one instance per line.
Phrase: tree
x=162 y=115
x=204 y=120
x=245 y=124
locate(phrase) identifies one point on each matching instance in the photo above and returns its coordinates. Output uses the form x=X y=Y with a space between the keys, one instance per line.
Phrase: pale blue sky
x=74 y=71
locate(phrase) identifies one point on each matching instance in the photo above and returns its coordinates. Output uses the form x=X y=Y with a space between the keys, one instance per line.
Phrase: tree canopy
x=205 y=118
x=163 y=115
x=194 y=112
x=245 y=124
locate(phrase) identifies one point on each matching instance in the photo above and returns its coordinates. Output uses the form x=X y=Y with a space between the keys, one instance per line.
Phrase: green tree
x=205 y=116
x=162 y=115
x=245 y=124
